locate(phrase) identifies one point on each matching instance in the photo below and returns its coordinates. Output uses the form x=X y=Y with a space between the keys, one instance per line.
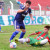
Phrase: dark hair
x=48 y=27
x=29 y=2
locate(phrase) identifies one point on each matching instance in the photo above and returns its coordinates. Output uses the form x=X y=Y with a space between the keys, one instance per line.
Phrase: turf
x=7 y=32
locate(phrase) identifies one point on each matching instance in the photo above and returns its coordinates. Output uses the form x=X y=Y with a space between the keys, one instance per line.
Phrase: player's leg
x=44 y=41
x=22 y=27
x=16 y=32
x=22 y=33
x=22 y=40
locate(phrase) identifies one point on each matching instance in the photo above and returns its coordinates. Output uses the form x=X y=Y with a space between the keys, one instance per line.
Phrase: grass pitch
x=7 y=32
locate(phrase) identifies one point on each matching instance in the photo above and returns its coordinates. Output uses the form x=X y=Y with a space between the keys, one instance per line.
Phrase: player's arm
x=32 y=34
x=31 y=16
x=21 y=10
x=36 y=32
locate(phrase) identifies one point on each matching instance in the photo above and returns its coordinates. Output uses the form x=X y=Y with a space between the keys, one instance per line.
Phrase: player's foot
x=37 y=43
x=10 y=41
x=16 y=40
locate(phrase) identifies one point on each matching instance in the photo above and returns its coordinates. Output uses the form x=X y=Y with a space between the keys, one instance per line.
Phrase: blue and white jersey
x=20 y=16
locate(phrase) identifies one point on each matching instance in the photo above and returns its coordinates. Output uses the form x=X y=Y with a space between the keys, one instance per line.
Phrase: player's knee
x=18 y=30
x=24 y=31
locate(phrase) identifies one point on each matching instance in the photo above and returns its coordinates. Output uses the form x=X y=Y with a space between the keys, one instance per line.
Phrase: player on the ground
x=21 y=14
x=41 y=38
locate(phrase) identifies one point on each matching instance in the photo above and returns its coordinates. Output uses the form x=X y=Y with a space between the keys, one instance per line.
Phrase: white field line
x=12 y=32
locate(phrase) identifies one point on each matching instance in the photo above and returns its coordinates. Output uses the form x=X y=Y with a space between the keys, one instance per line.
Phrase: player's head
x=46 y=29
x=27 y=4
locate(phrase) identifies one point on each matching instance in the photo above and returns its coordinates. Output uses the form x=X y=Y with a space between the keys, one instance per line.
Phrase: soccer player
x=0 y=27
x=21 y=14
x=41 y=38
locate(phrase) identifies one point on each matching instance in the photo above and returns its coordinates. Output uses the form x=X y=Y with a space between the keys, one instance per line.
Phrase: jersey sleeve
x=30 y=11
x=21 y=6
x=36 y=32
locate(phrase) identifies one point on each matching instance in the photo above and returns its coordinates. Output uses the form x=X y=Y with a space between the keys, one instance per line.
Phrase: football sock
x=14 y=34
x=22 y=35
x=22 y=40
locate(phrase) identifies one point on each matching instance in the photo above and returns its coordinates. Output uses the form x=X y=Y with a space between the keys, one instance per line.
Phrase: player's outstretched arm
x=32 y=34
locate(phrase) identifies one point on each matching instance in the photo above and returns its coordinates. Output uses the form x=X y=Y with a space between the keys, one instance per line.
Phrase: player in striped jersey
x=41 y=38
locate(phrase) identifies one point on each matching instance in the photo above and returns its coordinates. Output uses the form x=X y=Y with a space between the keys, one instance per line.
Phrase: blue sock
x=14 y=34
x=0 y=28
x=22 y=35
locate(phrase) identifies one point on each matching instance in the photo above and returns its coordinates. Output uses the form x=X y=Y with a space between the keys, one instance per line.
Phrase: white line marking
x=12 y=32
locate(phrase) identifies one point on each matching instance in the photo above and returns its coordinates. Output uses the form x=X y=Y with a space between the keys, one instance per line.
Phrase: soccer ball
x=13 y=45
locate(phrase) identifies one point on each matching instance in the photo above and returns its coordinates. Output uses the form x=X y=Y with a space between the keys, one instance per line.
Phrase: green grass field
x=8 y=30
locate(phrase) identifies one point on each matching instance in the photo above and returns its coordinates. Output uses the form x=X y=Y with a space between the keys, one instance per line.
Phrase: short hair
x=48 y=27
x=29 y=2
